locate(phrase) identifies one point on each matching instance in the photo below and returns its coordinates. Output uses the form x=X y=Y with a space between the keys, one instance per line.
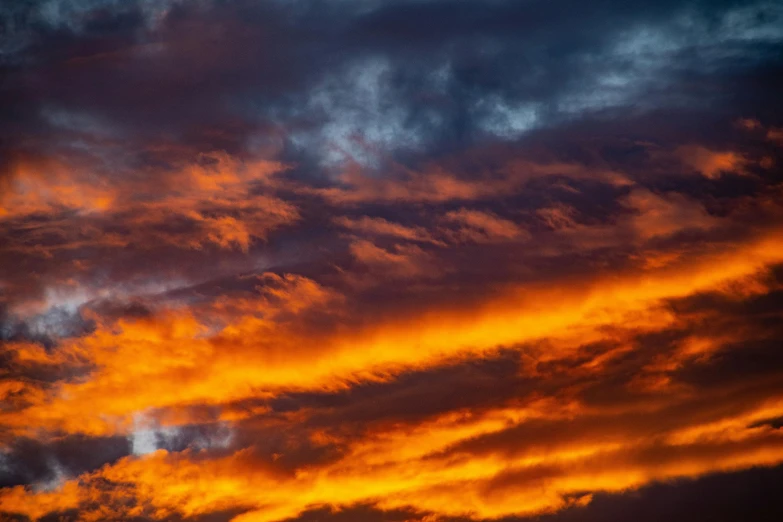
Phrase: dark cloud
x=379 y=71
x=354 y=514
x=722 y=498
x=29 y=461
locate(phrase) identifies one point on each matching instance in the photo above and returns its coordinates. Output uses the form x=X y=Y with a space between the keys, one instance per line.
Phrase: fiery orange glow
x=390 y=262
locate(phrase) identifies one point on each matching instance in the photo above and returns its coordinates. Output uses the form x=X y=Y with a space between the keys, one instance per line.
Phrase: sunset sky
x=391 y=260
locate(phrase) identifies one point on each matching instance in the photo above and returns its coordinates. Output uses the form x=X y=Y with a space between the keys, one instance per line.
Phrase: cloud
x=383 y=227
x=483 y=227
x=431 y=261
x=712 y=163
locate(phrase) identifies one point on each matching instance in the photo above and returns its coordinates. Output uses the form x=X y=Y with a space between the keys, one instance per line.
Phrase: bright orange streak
x=174 y=360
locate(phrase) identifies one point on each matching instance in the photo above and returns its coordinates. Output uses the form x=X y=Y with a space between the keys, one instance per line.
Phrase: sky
x=391 y=260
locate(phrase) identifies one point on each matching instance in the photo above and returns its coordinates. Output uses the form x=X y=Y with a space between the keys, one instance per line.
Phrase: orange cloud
x=610 y=386
x=420 y=467
x=436 y=184
x=383 y=227
x=190 y=357
x=657 y=216
x=46 y=185
x=208 y=199
x=403 y=261
x=711 y=163
x=482 y=227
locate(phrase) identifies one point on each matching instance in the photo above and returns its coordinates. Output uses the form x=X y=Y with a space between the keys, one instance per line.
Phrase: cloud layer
x=397 y=261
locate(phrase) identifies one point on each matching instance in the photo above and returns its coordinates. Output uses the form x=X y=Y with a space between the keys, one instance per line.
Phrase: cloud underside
x=418 y=261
